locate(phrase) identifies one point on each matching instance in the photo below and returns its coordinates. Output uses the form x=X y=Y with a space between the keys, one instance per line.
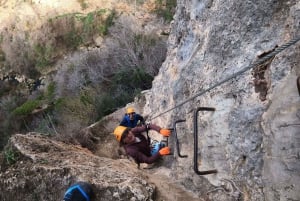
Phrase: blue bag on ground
x=80 y=191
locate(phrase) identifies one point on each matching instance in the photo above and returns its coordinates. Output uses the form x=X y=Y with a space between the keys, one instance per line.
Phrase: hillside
x=64 y=66
x=227 y=87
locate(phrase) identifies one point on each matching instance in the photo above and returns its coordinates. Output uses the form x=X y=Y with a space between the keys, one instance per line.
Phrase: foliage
x=44 y=126
x=132 y=79
x=72 y=39
x=50 y=92
x=88 y=21
x=126 y=84
x=11 y=156
x=95 y=22
x=102 y=81
x=86 y=98
x=103 y=29
x=83 y=4
x=8 y=123
x=27 y=107
x=43 y=55
x=90 y=86
x=166 y=9
x=134 y=48
x=78 y=109
x=48 y=97
x=33 y=54
x=106 y=102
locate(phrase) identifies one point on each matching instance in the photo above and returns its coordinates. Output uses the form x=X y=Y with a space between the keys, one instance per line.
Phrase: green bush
x=126 y=84
x=27 y=107
x=50 y=92
x=45 y=126
x=42 y=55
x=106 y=103
x=83 y=4
x=88 y=22
x=133 y=79
x=72 y=39
x=86 y=98
x=165 y=9
x=109 y=21
x=11 y=156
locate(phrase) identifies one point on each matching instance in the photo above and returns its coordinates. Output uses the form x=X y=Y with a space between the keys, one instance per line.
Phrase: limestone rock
x=252 y=138
x=42 y=169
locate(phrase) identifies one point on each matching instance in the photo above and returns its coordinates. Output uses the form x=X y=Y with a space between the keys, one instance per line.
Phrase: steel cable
x=258 y=62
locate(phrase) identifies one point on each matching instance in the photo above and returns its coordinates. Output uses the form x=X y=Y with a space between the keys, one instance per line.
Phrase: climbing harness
x=253 y=65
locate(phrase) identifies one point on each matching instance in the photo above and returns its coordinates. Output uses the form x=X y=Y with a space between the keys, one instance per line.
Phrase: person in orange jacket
x=137 y=146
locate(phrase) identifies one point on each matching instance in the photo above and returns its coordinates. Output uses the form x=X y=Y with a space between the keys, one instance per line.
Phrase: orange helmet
x=130 y=110
x=118 y=132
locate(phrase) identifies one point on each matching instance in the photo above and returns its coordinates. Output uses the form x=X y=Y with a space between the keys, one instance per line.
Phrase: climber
x=80 y=191
x=131 y=119
x=137 y=146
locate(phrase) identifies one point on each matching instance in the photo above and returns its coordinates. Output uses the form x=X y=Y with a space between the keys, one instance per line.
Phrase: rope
x=258 y=62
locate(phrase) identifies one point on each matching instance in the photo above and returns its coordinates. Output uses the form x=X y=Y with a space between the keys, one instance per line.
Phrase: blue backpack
x=80 y=191
x=156 y=146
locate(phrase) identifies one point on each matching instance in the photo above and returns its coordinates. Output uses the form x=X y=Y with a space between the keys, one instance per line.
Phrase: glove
x=165 y=132
x=164 y=151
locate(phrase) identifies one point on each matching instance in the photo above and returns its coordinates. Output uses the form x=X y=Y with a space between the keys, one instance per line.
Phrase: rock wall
x=252 y=137
x=43 y=169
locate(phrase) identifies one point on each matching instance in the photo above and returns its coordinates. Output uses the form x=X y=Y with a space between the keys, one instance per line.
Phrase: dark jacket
x=131 y=123
x=141 y=151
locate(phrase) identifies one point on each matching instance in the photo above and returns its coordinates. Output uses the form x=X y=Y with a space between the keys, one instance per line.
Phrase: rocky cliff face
x=252 y=136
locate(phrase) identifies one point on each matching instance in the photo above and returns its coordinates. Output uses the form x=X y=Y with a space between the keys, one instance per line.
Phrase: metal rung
x=176 y=138
x=196 y=141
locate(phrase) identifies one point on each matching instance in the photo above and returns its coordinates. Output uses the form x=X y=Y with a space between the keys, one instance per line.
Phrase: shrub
x=125 y=85
x=72 y=39
x=83 y=4
x=42 y=55
x=132 y=48
x=108 y=102
x=11 y=156
x=133 y=79
x=45 y=126
x=109 y=21
x=165 y=9
x=50 y=92
x=27 y=107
